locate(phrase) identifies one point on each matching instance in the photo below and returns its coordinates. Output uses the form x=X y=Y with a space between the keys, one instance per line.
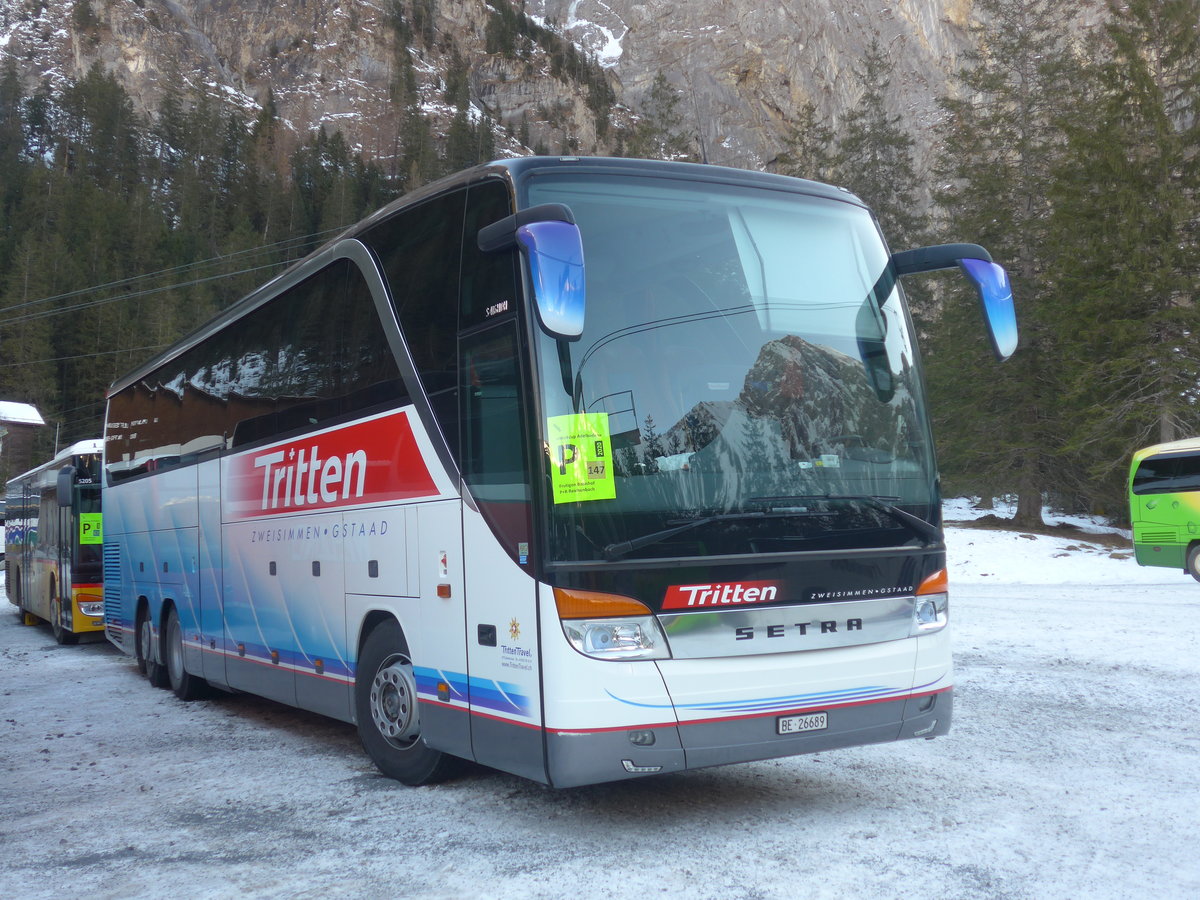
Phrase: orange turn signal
x=937 y=583
x=575 y=604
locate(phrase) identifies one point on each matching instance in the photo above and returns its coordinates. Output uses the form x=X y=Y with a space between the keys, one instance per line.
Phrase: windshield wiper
x=619 y=549
x=916 y=524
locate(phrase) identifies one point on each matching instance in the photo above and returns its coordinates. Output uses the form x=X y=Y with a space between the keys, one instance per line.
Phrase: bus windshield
x=746 y=381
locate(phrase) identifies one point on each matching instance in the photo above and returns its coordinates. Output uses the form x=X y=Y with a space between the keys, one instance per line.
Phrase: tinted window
x=420 y=249
x=1167 y=475
x=494 y=451
x=307 y=358
x=312 y=356
x=489 y=280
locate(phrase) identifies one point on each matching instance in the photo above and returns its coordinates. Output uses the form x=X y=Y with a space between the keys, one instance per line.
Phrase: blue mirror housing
x=996 y=300
x=990 y=280
x=554 y=250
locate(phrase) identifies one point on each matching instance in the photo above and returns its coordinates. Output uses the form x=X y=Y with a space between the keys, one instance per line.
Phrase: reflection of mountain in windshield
x=802 y=404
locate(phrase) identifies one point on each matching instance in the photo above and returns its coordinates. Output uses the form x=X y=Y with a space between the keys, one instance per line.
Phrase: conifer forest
x=1074 y=160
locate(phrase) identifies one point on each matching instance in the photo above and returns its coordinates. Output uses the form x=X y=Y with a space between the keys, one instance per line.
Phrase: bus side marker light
x=639 y=770
x=241 y=649
x=443 y=591
x=443 y=691
x=643 y=737
x=319 y=665
x=275 y=657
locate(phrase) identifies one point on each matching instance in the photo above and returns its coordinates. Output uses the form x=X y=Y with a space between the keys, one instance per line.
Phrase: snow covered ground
x=1073 y=771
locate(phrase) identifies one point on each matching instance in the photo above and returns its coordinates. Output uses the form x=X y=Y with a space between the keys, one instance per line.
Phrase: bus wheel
x=1193 y=561
x=185 y=685
x=61 y=634
x=385 y=701
x=153 y=670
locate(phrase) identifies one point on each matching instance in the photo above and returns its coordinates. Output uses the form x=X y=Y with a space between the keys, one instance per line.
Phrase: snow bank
x=985 y=555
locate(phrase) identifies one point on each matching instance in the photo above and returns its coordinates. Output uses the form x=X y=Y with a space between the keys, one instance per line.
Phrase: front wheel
x=385 y=704
x=1193 y=561
x=62 y=634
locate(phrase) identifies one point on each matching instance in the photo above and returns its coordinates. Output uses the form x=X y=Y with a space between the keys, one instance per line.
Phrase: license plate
x=798 y=724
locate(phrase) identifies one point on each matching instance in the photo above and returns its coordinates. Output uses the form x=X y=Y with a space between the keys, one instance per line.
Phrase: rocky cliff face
x=337 y=63
x=745 y=67
x=742 y=67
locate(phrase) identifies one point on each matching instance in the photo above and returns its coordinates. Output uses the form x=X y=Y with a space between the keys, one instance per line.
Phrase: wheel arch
x=370 y=622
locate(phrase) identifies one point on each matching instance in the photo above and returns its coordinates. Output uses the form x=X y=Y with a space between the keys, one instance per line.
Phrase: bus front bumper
x=579 y=757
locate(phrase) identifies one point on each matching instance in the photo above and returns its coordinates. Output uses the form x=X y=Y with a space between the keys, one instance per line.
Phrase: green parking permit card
x=581 y=458
x=91 y=528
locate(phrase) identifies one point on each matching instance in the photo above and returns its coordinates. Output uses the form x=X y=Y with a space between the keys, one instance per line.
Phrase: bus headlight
x=931 y=611
x=617 y=638
x=609 y=626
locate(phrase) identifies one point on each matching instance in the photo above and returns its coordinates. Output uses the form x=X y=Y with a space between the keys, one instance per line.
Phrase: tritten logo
x=733 y=593
x=370 y=462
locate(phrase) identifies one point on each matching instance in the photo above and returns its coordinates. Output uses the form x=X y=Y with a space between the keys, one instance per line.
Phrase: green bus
x=1164 y=505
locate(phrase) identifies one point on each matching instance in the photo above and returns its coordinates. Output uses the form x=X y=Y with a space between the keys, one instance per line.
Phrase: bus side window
x=489 y=280
x=494 y=457
x=420 y=249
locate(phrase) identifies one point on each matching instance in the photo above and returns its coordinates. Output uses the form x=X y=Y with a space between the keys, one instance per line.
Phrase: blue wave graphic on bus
x=790 y=701
x=484 y=693
x=428 y=679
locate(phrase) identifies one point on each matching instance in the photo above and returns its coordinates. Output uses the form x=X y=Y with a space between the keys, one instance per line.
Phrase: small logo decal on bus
x=368 y=462
x=695 y=596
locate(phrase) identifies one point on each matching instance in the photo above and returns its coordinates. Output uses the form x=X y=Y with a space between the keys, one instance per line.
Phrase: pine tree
x=997 y=425
x=1128 y=217
x=874 y=155
x=809 y=147
x=14 y=168
x=660 y=134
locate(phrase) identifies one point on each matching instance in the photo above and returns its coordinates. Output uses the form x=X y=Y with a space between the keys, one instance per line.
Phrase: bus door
x=502 y=624
x=30 y=507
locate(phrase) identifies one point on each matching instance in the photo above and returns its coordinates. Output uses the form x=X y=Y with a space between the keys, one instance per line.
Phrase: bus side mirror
x=989 y=278
x=66 y=481
x=996 y=300
x=555 y=254
x=553 y=246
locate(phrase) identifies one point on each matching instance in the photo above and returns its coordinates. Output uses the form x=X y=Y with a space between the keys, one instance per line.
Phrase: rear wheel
x=1193 y=561
x=146 y=657
x=185 y=685
x=385 y=701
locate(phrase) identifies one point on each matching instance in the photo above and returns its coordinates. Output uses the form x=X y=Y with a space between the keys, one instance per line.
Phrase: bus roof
x=1183 y=446
x=81 y=448
x=511 y=169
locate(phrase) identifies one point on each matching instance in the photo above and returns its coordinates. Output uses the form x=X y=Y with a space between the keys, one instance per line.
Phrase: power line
x=33 y=362
x=47 y=313
x=290 y=243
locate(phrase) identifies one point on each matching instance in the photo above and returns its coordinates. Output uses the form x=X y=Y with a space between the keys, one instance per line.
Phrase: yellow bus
x=54 y=543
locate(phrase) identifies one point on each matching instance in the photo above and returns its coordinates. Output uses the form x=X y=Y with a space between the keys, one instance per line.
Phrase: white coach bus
x=582 y=469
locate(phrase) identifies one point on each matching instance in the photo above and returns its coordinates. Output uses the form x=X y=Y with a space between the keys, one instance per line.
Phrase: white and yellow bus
x=53 y=535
